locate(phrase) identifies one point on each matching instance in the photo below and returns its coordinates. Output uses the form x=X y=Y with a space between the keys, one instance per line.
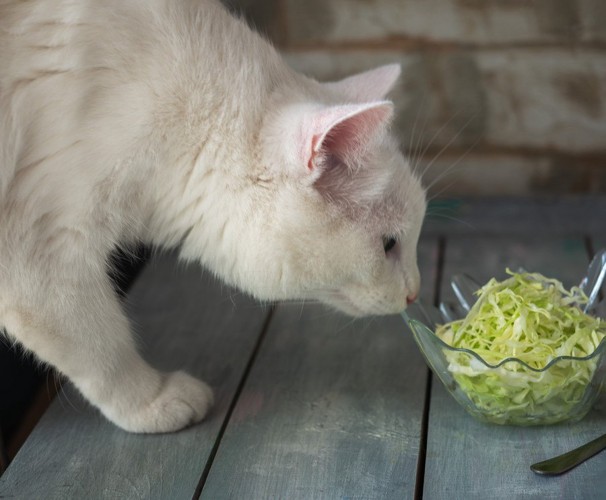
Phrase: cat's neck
x=210 y=193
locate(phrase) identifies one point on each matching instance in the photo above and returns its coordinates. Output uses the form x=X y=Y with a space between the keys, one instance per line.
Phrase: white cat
x=170 y=122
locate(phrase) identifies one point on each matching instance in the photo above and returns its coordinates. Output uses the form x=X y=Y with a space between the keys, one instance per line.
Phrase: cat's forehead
x=403 y=204
x=402 y=187
x=398 y=206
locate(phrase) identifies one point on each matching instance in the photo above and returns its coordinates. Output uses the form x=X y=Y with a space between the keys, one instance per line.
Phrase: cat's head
x=348 y=210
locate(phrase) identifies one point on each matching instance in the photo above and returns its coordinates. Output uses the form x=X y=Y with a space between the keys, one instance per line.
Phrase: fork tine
x=464 y=288
x=592 y=283
x=449 y=312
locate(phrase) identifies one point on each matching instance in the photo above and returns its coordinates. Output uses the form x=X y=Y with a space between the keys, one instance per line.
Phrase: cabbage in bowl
x=533 y=349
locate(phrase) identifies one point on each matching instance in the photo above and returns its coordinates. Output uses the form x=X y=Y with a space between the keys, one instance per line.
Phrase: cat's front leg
x=82 y=331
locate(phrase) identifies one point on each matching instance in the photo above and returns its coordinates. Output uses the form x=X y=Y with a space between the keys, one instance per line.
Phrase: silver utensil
x=591 y=286
x=592 y=283
x=563 y=463
x=464 y=288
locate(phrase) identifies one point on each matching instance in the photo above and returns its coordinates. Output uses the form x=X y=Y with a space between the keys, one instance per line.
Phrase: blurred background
x=497 y=97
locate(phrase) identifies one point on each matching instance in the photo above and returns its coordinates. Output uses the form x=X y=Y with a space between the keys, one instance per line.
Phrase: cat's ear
x=343 y=132
x=371 y=85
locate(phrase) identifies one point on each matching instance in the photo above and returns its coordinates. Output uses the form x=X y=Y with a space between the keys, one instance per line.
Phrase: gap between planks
x=234 y=402
x=420 y=474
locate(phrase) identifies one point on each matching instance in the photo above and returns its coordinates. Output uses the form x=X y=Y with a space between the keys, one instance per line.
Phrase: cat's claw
x=182 y=401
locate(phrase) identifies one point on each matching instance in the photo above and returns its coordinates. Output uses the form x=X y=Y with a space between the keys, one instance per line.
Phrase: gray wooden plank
x=332 y=409
x=483 y=257
x=550 y=215
x=185 y=320
x=469 y=459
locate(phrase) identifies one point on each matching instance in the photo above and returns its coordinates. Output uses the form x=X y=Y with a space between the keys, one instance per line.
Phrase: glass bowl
x=511 y=392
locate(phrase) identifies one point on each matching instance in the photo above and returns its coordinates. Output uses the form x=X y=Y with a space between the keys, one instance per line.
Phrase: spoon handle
x=563 y=463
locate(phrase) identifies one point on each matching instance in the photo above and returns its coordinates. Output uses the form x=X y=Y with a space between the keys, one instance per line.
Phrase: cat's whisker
x=436 y=213
x=454 y=219
x=451 y=168
x=417 y=144
x=419 y=149
x=344 y=326
x=422 y=153
x=62 y=401
x=58 y=383
x=448 y=171
x=452 y=140
x=353 y=321
x=299 y=302
x=323 y=313
x=265 y=305
x=301 y=308
x=5 y=339
x=436 y=194
x=413 y=140
x=368 y=323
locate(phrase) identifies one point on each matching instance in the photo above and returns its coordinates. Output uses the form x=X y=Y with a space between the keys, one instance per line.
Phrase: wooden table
x=310 y=404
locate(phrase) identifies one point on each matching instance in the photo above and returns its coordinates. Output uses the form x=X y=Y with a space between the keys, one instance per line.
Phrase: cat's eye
x=388 y=243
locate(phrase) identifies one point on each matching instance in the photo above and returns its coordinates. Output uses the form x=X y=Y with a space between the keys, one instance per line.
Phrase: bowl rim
x=412 y=322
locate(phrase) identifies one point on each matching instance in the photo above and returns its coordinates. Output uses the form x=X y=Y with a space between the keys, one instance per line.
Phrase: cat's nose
x=411 y=298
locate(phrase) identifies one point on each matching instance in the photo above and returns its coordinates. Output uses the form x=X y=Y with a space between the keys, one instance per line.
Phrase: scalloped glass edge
x=419 y=328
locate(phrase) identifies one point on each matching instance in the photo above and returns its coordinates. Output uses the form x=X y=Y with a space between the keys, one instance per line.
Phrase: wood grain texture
x=472 y=460
x=551 y=215
x=332 y=409
x=185 y=320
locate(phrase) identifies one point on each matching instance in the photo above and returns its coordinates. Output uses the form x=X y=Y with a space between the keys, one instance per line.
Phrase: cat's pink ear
x=371 y=85
x=342 y=132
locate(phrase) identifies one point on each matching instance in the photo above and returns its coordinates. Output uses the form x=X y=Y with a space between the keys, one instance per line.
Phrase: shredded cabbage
x=533 y=319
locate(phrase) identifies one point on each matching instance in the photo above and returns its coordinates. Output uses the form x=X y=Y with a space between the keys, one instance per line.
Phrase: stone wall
x=497 y=96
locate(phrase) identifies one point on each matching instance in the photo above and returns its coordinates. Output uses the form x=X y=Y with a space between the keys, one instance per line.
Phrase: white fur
x=170 y=122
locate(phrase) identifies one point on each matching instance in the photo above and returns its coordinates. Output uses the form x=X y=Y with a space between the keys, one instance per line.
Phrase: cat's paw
x=183 y=400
